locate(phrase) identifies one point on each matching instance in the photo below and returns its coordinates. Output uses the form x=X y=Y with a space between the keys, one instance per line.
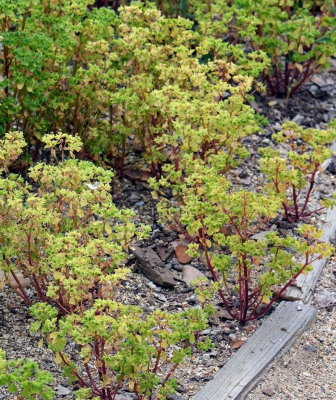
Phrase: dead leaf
x=236 y=344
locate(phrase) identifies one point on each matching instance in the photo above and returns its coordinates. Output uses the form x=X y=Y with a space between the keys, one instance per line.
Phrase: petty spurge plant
x=67 y=237
x=25 y=379
x=70 y=241
x=292 y=173
x=120 y=348
x=249 y=274
x=298 y=37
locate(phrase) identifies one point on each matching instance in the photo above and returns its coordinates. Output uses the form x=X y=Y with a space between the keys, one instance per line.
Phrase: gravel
x=307 y=371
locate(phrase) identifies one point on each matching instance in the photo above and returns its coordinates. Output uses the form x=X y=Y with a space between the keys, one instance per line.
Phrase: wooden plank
x=305 y=284
x=242 y=372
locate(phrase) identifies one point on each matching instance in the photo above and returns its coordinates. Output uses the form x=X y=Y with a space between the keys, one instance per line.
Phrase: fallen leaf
x=236 y=344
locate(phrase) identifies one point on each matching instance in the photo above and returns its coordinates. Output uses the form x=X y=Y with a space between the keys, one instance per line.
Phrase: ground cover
x=192 y=131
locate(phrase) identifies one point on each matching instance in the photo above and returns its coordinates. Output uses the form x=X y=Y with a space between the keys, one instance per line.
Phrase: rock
x=124 y=397
x=160 y=297
x=268 y=391
x=325 y=299
x=152 y=267
x=298 y=118
x=190 y=273
x=174 y=397
x=318 y=81
x=62 y=391
x=260 y=235
x=277 y=126
x=181 y=254
x=12 y=282
x=310 y=348
x=134 y=197
x=137 y=175
x=223 y=314
x=165 y=252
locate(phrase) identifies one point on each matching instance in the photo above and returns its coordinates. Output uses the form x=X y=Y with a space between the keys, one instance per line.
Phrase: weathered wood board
x=242 y=372
x=305 y=284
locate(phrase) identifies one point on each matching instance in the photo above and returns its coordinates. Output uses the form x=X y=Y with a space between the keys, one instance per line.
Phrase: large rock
x=151 y=266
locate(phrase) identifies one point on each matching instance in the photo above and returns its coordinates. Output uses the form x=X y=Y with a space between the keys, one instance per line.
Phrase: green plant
x=25 y=379
x=248 y=274
x=164 y=74
x=121 y=348
x=67 y=238
x=292 y=174
x=50 y=55
x=299 y=38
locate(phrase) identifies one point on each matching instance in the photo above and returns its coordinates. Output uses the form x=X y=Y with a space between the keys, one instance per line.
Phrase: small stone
x=174 y=397
x=237 y=344
x=12 y=282
x=310 y=348
x=181 y=254
x=124 y=397
x=298 y=118
x=268 y=391
x=260 y=235
x=160 y=297
x=190 y=273
x=62 y=391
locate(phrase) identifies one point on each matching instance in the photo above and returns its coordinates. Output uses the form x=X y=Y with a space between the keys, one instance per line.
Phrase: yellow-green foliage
x=24 y=379
x=292 y=174
x=220 y=225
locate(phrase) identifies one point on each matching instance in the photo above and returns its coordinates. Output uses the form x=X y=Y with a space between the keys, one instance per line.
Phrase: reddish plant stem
x=214 y=276
x=297 y=214
x=306 y=75
x=76 y=374
x=22 y=292
x=311 y=185
x=275 y=298
x=246 y=287
x=93 y=383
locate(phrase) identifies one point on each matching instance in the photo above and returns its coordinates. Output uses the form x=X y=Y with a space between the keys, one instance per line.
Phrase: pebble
x=62 y=391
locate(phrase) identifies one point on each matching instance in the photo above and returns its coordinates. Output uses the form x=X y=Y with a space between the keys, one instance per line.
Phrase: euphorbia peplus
x=68 y=238
x=249 y=274
x=122 y=348
x=292 y=174
x=25 y=379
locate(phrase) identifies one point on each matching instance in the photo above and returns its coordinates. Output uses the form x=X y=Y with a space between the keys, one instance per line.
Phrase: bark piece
x=152 y=267
x=164 y=252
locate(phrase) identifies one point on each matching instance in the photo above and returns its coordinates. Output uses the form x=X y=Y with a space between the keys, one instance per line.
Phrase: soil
x=300 y=372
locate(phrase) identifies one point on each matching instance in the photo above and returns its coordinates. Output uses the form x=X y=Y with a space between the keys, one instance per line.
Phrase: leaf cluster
x=292 y=170
x=25 y=379
x=64 y=235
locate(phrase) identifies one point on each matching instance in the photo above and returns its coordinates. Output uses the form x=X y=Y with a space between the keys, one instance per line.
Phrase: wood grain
x=242 y=372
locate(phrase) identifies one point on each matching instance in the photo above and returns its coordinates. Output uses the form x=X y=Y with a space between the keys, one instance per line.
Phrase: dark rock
x=310 y=348
x=152 y=267
x=174 y=397
x=165 y=252
x=268 y=391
